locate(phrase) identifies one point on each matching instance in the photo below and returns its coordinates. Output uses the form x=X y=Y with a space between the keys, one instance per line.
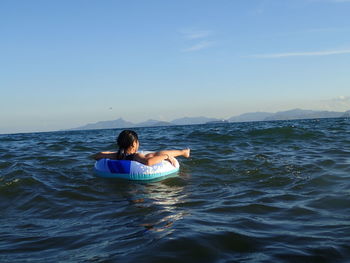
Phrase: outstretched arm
x=150 y=159
x=174 y=153
x=154 y=158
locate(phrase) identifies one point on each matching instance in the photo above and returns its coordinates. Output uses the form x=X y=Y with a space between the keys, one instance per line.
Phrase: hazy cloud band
x=303 y=54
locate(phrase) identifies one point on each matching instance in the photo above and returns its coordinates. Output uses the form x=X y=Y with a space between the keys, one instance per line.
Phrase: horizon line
x=134 y=125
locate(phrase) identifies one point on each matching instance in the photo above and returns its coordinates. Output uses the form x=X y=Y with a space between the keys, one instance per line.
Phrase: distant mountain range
x=295 y=114
x=121 y=123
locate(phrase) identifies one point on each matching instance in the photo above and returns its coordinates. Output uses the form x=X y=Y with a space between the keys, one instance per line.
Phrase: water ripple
x=251 y=192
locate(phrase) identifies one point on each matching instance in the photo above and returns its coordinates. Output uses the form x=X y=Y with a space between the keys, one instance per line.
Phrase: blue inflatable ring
x=133 y=170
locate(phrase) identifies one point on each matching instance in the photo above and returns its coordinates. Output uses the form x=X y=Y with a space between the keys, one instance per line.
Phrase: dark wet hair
x=125 y=140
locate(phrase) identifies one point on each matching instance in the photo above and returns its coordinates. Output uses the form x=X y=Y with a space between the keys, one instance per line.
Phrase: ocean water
x=251 y=192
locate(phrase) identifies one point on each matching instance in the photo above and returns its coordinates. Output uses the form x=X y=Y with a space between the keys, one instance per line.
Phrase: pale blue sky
x=65 y=63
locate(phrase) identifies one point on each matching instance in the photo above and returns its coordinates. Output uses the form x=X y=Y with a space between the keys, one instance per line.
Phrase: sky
x=66 y=63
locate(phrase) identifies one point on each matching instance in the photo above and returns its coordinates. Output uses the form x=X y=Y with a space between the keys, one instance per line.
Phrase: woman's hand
x=171 y=160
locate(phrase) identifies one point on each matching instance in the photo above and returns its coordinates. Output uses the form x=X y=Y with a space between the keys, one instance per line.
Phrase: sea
x=274 y=191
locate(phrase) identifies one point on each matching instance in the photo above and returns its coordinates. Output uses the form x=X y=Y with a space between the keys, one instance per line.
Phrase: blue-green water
x=251 y=192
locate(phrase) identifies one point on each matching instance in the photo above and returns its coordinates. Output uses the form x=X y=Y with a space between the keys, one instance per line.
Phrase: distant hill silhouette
x=252 y=116
x=118 y=123
x=193 y=120
x=298 y=114
x=153 y=123
x=295 y=114
x=347 y=114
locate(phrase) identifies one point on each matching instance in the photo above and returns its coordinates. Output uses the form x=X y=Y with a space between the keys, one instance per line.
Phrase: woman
x=128 y=144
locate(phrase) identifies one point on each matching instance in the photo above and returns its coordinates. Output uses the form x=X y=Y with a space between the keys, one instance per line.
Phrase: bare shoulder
x=139 y=155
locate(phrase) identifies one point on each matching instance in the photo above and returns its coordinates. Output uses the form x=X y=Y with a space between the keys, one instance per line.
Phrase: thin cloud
x=303 y=54
x=199 y=46
x=196 y=40
x=199 y=34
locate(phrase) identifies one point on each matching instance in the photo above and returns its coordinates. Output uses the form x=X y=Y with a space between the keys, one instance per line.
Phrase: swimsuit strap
x=129 y=157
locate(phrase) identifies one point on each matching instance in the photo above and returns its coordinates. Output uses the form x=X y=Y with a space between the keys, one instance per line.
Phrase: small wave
x=213 y=137
x=203 y=248
x=289 y=132
x=267 y=191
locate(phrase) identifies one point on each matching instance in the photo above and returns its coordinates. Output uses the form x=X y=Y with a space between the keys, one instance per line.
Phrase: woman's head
x=128 y=139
